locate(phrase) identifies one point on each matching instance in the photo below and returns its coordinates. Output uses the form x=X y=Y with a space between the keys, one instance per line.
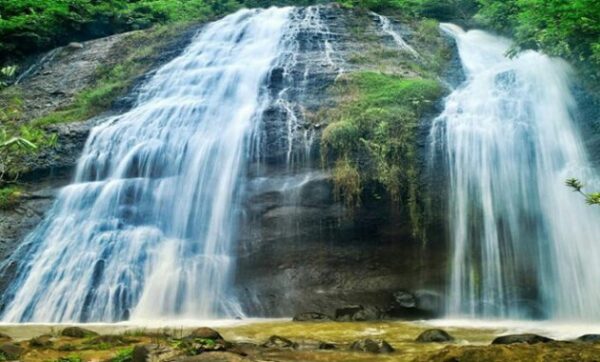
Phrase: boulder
x=5 y=337
x=43 y=341
x=11 y=351
x=372 y=346
x=279 y=342
x=77 y=332
x=589 y=338
x=528 y=338
x=153 y=353
x=434 y=335
x=308 y=345
x=358 y=313
x=312 y=317
x=205 y=333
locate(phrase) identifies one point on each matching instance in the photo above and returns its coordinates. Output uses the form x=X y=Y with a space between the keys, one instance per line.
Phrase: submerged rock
x=279 y=342
x=589 y=338
x=77 y=332
x=312 y=317
x=309 y=345
x=11 y=351
x=528 y=338
x=43 y=341
x=5 y=337
x=434 y=335
x=205 y=332
x=372 y=346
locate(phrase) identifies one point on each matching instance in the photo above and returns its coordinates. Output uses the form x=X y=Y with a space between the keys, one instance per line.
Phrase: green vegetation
x=138 y=52
x=31 y=26
x=577 y=186
x=9 y=197
x=564 y=28
x=371 y=137
x=124 y=355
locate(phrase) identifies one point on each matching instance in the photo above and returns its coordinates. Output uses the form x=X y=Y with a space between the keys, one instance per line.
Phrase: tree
x=577 y=186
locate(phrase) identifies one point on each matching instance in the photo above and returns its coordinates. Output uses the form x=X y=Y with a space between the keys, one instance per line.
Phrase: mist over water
x=145 y=229
x=523 y=244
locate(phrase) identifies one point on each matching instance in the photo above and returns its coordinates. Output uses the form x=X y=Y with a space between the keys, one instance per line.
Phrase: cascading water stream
x=144 y=231
x=523 y=244
x=387 y=28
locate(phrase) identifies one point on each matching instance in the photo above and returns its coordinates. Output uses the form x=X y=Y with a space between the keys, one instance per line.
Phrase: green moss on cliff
x=372 y=137
x=137 y=53
x=9 y=197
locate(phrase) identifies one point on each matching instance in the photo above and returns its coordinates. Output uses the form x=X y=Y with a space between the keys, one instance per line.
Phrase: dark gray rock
x=312 y=317
x=11 y=351
x=77 y=332
x=434 y=335
x=205 y=333
x=589 y=338
x=311 y=345
x=528 y=338
x=279 y=342
x=43 y=341
x=372 y=346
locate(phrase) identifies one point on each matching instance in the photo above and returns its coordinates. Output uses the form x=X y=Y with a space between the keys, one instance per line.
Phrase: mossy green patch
x=137 y=53
x=124 y=355
x=9 y=197
x=371 y=137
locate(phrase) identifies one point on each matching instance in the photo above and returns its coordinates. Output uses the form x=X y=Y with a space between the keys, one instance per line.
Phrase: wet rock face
x=301 y=249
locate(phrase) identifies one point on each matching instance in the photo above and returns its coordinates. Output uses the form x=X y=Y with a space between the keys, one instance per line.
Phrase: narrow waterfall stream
x=145 y=229
x=523 y=244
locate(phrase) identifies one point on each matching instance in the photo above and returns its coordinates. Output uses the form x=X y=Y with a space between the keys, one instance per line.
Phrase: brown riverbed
x=471 y=344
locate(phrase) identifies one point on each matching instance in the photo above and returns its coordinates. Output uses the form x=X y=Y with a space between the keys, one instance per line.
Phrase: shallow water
x=401 y=335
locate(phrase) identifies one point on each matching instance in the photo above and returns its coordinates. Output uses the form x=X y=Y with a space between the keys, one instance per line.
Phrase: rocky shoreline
x=286 y=341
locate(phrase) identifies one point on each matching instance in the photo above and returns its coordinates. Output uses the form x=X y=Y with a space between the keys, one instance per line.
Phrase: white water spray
x=145 y=230
x=523 y=243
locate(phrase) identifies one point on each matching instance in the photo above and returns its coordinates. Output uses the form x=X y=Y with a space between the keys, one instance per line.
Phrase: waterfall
x=523 y=244
x=145 y=229
x=387 y=28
